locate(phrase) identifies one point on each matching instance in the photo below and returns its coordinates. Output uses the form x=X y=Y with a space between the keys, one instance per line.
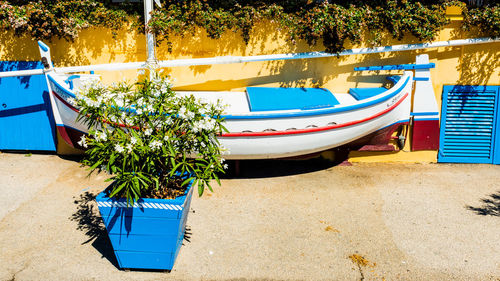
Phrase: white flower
x=225 y=166
x=224 y=150
x=166 y=138
x=92 y=103
x=164 y=87
x=157 y=123
x=182 y=113
x=129 y=147
x=133 y=140
x=72 y=101
x=148 y=132
x=101 y=136
x=190 y=115
x=138 y=111
x=156 y=144
x=83 y=141
x=119 y=102
x=119 y=148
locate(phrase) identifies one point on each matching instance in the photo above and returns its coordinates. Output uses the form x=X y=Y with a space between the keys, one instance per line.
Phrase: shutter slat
x=469 y=123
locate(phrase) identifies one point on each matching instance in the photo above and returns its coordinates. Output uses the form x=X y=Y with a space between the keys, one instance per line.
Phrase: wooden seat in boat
x=271 y=99
x=364 y=93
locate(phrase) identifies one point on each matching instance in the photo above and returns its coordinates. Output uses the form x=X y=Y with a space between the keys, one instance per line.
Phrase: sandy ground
x=277 y=221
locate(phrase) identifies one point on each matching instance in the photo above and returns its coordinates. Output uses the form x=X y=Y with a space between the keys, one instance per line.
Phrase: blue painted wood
x=140 y=243
x=120 y=224
x=496 y=148
x=469 y=124
x=149 y=236
x=396 y=67
x=321 y=111
x=42 y=45
x=268 y=99
x=423 y=113
x=26 y=120
x=70 y=80
x=421 y=78
x=364 y=93
x=145 y=260
x=394 y=78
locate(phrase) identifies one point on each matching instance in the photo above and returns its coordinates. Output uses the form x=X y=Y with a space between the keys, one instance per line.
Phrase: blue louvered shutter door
x=468 y=124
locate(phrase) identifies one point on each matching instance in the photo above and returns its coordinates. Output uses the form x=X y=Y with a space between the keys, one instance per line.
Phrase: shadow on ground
x=90 y=222
x=276 y=168
x=490 y=207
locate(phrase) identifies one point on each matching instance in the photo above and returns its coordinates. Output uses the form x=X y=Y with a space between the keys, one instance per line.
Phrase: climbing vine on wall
x=63 y=19
x=485 y=19
x=332 y=22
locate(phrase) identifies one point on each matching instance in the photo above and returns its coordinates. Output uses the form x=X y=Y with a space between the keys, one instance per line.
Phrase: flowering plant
x=146 y=137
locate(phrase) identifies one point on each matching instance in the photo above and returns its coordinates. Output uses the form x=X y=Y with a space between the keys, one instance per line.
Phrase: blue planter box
x=148 y=235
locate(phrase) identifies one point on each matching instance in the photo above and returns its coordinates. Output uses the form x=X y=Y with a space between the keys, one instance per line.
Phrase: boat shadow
x=270 y=168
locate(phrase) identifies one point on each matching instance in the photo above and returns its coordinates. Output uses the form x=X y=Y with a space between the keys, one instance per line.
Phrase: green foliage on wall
x=486 y=19
x=62 y=19
x=331 y=22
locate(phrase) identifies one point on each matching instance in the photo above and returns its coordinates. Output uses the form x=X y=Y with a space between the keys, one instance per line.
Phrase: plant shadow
x=90 y=222
x=490 y=207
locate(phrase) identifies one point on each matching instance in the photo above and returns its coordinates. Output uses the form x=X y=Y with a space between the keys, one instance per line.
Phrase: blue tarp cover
x=267 y=99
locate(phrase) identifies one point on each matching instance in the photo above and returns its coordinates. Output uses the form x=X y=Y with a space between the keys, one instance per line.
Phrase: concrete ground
x=278 y=220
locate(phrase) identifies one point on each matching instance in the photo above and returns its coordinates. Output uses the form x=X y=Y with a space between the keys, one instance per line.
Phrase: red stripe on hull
x=70 y=136
x=313 y=130
x=69 y=140
x=65 y=102
x=64 y=135
x=425 y=135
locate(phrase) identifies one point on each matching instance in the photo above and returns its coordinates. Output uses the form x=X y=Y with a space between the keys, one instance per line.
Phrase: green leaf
x=186 y=181
x=201 y=189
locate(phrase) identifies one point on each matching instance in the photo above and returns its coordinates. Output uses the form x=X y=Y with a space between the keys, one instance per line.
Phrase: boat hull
x=290 y=143
x=275 y=134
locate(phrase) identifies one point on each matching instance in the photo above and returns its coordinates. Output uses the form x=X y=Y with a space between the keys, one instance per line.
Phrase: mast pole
x=150 y=37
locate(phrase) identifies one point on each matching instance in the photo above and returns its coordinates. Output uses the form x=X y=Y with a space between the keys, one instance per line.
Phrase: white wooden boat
x=274 y=123
x=271 y=122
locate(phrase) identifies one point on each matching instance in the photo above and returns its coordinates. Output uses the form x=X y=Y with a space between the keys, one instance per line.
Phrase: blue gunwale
x=321 y=111
x=302 y=113
x=61 y=87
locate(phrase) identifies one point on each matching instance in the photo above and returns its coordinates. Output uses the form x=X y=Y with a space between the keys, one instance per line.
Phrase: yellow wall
x=466 y=65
